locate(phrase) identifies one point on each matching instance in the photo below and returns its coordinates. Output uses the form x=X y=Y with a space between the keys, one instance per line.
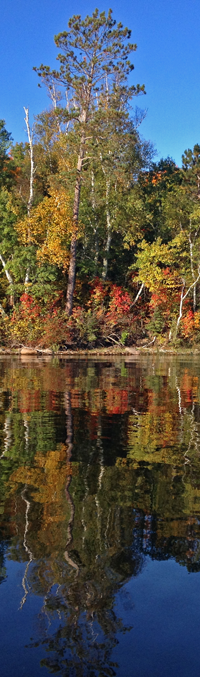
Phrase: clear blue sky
x=167 y=61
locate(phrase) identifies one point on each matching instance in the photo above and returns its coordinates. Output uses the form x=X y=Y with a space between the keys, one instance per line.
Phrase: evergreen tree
x=7 y=165
x=94 y=59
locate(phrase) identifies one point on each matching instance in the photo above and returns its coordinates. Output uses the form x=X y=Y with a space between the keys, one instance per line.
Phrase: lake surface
x=100 y=517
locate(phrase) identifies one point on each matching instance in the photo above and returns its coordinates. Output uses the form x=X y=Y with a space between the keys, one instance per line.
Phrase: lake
x=100 y=517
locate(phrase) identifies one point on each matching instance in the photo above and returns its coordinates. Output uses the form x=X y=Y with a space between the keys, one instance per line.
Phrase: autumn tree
x=94 y=57
x=181 y=210
x=49 y=227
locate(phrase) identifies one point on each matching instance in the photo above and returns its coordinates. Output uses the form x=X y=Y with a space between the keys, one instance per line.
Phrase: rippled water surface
x=100 y=518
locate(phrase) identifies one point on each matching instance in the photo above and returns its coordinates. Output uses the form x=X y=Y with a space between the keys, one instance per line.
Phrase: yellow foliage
x=155 y=261
x=197 y=319
x=46 y=482
x=50 y=227
x=145 y=442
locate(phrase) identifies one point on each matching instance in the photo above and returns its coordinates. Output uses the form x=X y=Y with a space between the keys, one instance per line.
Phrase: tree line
x=99 y=243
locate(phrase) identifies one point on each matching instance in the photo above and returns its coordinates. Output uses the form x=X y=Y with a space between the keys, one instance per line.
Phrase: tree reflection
x=82 y=606
x=69 y=447
x=97 y=473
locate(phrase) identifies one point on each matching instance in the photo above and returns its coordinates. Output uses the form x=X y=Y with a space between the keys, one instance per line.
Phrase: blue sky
x=167 y=61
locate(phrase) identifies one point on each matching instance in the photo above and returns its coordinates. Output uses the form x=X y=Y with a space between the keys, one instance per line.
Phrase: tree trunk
x=107 y=249
x=71 y=276
x=95 y=227
x=109 y=235
x=137 y=295
x=30 y=140
x=72 y=264
x=182 y=299
x=192 y=271
x=31 y=194
x=9 y=278
x=108 y=224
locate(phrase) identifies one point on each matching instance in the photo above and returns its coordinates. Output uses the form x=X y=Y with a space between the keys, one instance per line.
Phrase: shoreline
x=97 y=352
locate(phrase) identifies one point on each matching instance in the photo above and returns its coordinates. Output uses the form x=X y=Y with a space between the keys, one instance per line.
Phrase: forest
x=99 y=241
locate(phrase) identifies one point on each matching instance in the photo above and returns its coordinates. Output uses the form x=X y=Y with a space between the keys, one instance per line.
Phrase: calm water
x=100 y=518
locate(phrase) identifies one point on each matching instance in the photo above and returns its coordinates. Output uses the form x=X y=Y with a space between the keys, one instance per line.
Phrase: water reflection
x=99 y=469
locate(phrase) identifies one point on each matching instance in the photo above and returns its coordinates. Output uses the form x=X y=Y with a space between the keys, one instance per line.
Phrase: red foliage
x=120 y=300
x=27 y=307
x=188 y=324
x=99 y=291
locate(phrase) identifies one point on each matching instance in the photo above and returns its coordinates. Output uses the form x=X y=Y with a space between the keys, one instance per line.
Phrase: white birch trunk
x=183 y=297
x=31 y=188
x=137 y=295
x=109 y=232
x=94 y=221
x=10 y=280
x=192 y=271
x=30 y=140
x=8 y=275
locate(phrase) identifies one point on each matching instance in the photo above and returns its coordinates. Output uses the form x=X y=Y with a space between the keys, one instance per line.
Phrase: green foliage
x=7 y=164
x=157 y=322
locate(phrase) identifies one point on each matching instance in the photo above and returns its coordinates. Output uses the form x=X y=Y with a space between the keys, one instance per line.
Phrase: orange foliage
x=190 y=324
